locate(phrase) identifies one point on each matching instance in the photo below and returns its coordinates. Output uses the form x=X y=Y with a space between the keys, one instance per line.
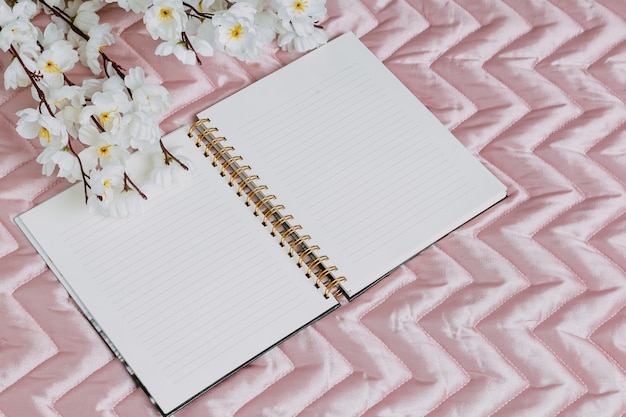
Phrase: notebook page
x=189 y=291
x=367 y=170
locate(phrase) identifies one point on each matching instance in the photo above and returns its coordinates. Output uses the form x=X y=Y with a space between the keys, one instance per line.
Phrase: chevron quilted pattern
x=521 y=312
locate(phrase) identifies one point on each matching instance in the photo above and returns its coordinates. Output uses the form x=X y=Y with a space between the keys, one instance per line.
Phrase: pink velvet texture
x=520 y=312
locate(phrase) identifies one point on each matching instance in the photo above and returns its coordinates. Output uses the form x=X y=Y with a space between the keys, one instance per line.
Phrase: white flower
x=15 y=24
x=112 y=116
x=266 y=22
x=165 y=19
x=22 y=10
x=143 y=131
x=92 y=85
x=51 y=34
x=111 y=195
x=56 y=155
x=201 y=35
x=86 y=16
x=101 y=149
x=137 y=6
x=126 y=203
x=108 y=105
x=300 y=39
x=53 y=62
x=18 y=31
x=70 y=116
x=106 y=181
x=48 y=128
x=170 y=173
x=290 y=10
x=296 y=27
x=236 y=32
x=99 y=37
x=15 y=76
x=178 y=49
x=148 y=98
x=68 y=95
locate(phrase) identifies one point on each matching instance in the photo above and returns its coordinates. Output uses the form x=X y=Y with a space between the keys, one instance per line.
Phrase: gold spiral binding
x=269 y=213
x=320 y=277
x=220 y=153
x=307 y=252
x=316 y=262
x=229 y=162
x=280 y=222
x=296 y=243
x=272 y=213
x=203 y=135
x=211 y=143
x=253 y=192
x=195 y=127
x=262 y=202
x=333 y=287
x=237 y=173
x=245 y=183
x=293 y=229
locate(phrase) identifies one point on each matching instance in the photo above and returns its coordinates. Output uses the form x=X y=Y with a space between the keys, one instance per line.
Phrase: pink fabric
x=520 y=312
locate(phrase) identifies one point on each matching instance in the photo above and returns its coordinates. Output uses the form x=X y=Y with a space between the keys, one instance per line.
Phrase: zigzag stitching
x=487 y=314
x=590 y=237
x=78 y=382
x=36 y=323
x=502 y=214
x=372 y=16
x=483 y=66
x=441 y=77
x=406 y=40
x=589 y=338
x=359 y=320
x=550 y=314
x=468 y=378
x=610 y=10
x=267 y=385
x=606 y=169
x=321 y=394
x=119 y=401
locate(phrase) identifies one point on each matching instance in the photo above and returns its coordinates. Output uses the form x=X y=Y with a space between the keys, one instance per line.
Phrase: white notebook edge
x=351 y=288
x=159 y=403
x=433 y=240
x=81 y=306
x=487 y=204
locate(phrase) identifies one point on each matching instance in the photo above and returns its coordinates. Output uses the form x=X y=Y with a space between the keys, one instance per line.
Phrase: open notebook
x=310 y=184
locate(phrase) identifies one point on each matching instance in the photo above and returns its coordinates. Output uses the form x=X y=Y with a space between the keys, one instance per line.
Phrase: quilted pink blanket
x=521 y=312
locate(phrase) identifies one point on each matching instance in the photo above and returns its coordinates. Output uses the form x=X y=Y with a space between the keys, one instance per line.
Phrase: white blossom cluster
x=240 y=28
x=88 y=131
x=94 y=129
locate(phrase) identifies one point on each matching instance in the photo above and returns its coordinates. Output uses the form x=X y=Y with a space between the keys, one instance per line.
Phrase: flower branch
x=94 y=129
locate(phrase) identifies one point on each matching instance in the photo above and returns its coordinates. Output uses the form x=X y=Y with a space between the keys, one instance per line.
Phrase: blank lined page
x=187 y=292
x=367 y=170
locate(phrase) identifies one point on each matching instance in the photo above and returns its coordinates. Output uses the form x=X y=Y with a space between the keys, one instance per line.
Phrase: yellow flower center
x=165 y=14
x=107 y=184
x=104 y=152
x=51 y=67
x=44 y=134
x=236 y=32
x=105 y=117
x=300 y=6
